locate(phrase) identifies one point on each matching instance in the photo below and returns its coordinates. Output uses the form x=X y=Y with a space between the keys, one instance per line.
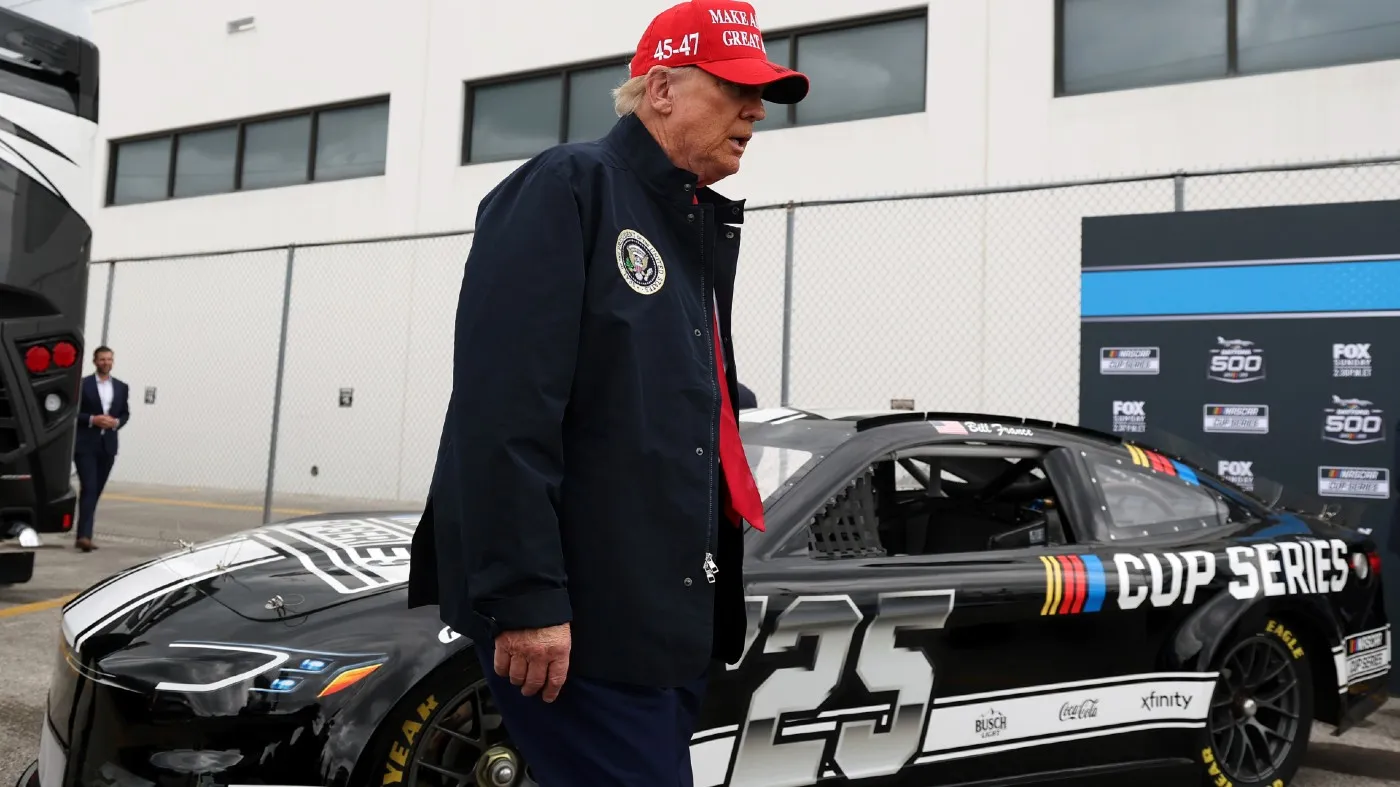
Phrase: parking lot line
x=36 y=606
x=165 y=501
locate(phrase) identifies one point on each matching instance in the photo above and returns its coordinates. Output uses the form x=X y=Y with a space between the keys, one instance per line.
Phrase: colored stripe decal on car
x=1073 y=584
x=1186 y=474
x=1098 y=585
x=1052 y=584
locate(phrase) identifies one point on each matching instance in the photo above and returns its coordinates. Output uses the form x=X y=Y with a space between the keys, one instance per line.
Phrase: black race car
x=938 y=599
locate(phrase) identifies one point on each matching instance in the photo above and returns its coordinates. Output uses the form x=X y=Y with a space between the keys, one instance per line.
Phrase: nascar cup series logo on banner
x=1351 y=360
x=1353 y=422
x=1130 y=360
x=1129 y=416
x=1236 y=418
x=1236 y=361
x=1372 y=483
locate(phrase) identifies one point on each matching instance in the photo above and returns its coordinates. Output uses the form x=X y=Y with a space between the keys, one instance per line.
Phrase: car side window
x=942 y=499
x=1147 y=494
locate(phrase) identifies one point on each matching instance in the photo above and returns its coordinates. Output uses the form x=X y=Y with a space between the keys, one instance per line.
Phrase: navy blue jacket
x=90 y=439
x=577 y=476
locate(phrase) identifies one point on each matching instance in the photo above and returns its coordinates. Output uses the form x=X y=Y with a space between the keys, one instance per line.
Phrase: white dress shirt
x=104 y=392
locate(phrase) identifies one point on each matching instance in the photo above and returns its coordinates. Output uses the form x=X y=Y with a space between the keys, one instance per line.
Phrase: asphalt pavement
x=138 y=523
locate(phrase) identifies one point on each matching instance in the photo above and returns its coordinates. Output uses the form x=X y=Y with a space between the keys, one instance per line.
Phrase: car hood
x=292 y=568
x=313 y=563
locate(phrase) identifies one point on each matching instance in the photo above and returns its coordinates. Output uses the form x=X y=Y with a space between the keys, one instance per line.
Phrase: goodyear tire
x=1262 y=710
x=447 y=722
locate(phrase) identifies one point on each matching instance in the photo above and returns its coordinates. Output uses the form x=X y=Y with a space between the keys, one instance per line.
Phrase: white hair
x=628 y=96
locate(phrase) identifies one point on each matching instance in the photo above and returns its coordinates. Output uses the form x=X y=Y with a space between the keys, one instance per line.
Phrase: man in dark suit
x=102 y=410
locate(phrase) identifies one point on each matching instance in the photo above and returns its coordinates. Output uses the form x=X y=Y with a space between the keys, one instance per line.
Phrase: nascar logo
x=1237 y=418
x=1130 y=360
x=1365 y=482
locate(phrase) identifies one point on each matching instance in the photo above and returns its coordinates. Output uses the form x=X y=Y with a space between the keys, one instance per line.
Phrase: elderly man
x=585 y=521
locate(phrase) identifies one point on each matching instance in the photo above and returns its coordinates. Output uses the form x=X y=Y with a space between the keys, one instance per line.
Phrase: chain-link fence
x=305 y=374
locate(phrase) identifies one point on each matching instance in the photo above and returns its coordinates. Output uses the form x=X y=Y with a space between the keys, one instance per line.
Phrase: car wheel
x=446 y=731
x=1261 y=713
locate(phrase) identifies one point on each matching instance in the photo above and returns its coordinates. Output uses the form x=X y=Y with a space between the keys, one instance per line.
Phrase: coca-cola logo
x=1087 y=709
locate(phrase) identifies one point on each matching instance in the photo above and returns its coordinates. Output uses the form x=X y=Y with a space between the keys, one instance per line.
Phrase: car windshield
x=1266 y=490
x=782 y=446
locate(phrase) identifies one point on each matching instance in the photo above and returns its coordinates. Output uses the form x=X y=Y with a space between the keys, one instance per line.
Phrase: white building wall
x=963 y=304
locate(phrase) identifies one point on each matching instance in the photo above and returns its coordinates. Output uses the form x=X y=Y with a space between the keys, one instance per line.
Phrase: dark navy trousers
x=599 y=733
x=93 y=469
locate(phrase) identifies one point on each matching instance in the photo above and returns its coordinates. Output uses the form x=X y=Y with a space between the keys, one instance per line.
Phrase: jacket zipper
x=709 y=565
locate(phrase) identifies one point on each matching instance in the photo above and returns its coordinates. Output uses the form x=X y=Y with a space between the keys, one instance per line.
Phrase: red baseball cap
x=721 y=37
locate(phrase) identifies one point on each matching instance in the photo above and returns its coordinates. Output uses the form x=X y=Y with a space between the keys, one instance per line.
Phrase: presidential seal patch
x=639 y=262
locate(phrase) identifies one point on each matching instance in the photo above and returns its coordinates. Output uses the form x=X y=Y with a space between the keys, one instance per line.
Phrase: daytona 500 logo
x=1353 y=422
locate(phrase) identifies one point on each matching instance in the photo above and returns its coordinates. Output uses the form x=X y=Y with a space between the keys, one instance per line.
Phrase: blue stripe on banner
x=1097 y=585
x=1243 y=289
x=1186 y=474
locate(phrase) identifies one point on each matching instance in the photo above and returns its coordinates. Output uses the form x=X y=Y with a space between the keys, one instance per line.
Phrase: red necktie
x=743 y=499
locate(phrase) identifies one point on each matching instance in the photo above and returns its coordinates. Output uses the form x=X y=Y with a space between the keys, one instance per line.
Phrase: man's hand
x=104 y=421
x=535 y=659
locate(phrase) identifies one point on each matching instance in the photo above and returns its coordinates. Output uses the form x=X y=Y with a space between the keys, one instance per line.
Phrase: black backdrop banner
x=1265 y=340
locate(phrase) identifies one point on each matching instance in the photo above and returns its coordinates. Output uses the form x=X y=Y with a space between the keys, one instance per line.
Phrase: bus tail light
x=36 y=359
x=64 y=354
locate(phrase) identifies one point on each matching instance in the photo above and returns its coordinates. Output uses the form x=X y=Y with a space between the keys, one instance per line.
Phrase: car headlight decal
x=277 y=671
x=347 y=678
x=275 y=659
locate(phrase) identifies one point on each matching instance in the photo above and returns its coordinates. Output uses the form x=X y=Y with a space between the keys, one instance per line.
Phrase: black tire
x=1261 y=713
x=412 y=732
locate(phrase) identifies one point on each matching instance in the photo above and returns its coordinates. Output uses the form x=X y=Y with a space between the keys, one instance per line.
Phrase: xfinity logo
x=1154 y=701
x=1352 y=422
x=1236 y=361
x=1351 y=360
x=1129 y=416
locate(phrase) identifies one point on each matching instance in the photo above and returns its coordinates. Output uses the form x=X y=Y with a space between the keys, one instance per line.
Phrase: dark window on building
x=1108 y=45
x=276 y=152
x=861 y=71
x=319 y=144
x=517 y=117
x=140 y=171
x=205 y=162
x=865 y=69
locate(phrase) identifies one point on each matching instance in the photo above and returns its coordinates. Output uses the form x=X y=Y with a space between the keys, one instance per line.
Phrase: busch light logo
x=1236 y=361
x=1353 y=422
x=990 y=724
